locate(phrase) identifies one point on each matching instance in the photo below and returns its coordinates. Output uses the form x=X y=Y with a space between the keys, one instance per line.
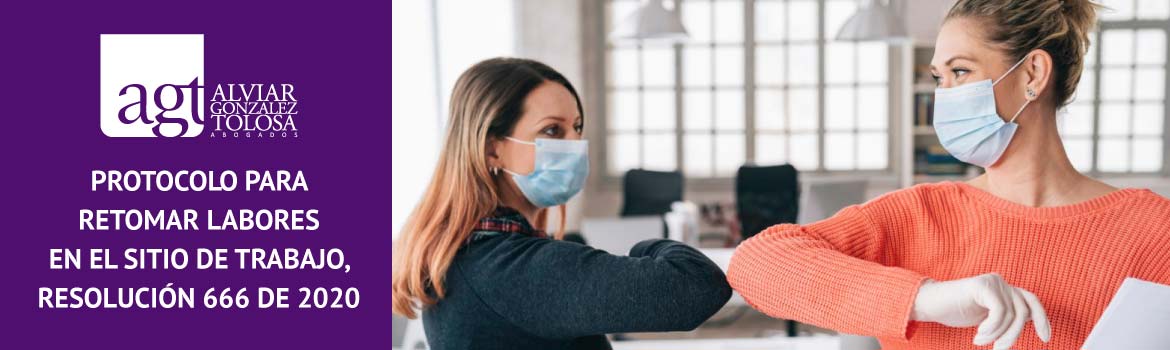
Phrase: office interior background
x=756 y=84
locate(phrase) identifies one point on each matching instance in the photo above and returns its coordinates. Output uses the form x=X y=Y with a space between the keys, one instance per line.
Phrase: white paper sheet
x=1137 y=318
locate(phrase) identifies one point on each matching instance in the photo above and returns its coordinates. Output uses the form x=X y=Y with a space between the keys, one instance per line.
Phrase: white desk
x=722 y=257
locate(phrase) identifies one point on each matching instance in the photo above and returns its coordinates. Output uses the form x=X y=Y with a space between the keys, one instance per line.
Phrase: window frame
x=597 y=48
x=1095 y=136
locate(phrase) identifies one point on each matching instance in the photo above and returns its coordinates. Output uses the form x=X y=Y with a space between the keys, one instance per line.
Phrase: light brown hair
x=486 y=103
x=1059 y=27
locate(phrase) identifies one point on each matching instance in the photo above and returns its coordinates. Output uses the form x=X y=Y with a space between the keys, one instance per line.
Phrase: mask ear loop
x=1005 y=74
x=511 y=172
x=520 y=142
x=1009 y=71
x=1018 y=112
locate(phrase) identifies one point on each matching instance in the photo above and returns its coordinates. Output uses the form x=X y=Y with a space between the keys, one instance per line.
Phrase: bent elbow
x=704 y=297
x=721 y=293
x=706 y=304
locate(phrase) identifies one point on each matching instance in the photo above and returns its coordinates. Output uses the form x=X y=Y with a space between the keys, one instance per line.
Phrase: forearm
x=788 y=273
x=564 y=290
x=689 y=288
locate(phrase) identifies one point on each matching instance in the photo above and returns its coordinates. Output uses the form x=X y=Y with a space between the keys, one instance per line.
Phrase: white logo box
x=151 y=60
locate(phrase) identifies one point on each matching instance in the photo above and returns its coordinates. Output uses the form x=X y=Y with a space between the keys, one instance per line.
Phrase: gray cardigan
x=512 y=291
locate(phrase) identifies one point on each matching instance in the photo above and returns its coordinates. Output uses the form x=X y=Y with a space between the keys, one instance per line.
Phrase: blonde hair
x=486 y=103
x=1059 y=27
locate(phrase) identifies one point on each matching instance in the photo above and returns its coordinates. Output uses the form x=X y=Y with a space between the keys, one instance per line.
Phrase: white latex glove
x=986 y=300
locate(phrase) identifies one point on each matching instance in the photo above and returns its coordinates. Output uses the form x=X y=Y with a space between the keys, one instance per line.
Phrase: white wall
x=415 y=135
x=923 y=17
x=470 y=31
x=434 y=41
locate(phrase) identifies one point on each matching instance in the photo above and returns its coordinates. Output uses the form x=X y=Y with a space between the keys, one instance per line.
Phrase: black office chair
x=648 y=192
x=766 y=196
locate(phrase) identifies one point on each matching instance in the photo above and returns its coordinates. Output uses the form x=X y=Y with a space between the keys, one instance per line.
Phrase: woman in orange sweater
x=942 y=266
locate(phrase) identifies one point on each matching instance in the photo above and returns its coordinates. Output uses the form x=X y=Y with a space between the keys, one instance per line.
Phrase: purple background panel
x=338 y=56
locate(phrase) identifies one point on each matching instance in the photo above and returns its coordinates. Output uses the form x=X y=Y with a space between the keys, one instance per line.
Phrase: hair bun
x=1081 y=14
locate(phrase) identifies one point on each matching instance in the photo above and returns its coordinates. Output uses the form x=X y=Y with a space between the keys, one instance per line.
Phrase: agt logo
x=151 y=86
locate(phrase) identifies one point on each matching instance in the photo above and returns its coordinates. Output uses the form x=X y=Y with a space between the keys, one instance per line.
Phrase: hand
x=986 y=300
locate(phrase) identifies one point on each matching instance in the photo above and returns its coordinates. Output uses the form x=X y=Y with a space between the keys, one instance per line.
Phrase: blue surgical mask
x=559 y=173
x=967 y=124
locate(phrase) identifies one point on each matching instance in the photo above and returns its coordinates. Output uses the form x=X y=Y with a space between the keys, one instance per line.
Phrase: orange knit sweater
x=859 y=271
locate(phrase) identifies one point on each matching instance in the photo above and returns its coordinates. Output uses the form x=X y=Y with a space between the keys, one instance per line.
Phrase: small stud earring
x=495 y=171
x=1031 y=93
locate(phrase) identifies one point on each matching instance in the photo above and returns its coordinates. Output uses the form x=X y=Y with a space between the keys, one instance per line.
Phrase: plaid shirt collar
x=506 y=220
